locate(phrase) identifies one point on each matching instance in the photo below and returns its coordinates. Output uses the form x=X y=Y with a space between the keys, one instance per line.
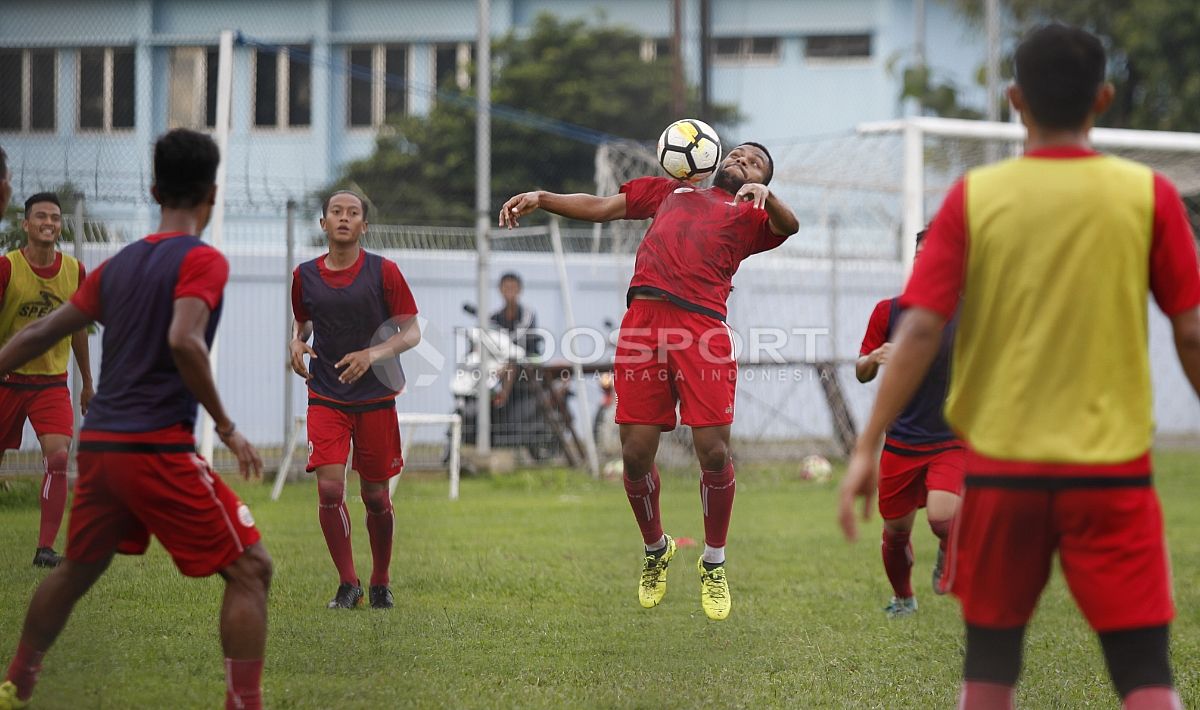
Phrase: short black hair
x=361 y=200
x=185 y=168
x=512 y=276
x=770 y=160
x=41 y=197
x=1059 y=69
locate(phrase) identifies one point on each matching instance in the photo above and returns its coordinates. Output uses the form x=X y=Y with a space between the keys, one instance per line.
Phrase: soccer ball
x=815 y=468
x=689 y=150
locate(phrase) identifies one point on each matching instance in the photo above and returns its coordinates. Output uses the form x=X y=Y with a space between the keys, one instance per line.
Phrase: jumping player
x=34 y=280
x=1050 y=258
x=922 y=461
x=674 y=348
x=358 y=308
x=159 y=300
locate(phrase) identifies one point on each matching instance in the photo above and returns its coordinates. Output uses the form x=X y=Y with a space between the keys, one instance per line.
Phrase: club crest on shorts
x=244 y=516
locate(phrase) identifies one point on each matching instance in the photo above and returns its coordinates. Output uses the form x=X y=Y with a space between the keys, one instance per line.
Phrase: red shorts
x=905 y=479
x=1110 y=545
x=668 y=356
x=375 y=431
x=128 y=491
x=48 y=408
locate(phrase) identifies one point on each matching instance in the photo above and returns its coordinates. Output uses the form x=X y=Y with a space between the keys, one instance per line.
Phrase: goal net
x=861 y=197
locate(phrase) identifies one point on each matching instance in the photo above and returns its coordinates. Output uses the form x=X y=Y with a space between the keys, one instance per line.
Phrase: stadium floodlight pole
x=483 y=177
x=217 y=224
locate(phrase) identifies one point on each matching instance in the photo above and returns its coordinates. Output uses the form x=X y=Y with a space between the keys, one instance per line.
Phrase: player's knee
x=330 y=492
x=253 y=569
x=713 y=456
x=637 y=458
x=993 y=655
x=1137 y=658
x=56 y=462
x=377 y=502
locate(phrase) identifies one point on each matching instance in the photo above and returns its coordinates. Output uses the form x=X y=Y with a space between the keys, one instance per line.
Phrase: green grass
x=523 y=594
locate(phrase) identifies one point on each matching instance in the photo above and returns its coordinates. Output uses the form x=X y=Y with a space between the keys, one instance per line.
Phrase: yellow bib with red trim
x=29 y=297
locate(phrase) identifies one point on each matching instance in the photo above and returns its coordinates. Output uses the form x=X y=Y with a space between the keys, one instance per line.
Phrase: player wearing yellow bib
x=35 y=280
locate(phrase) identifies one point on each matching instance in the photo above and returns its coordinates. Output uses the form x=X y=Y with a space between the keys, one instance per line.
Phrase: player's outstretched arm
x=190 y=352
x=40 y=335
x=867 y=366
x=581 y=206
x=1186 y=326
x=916 y=346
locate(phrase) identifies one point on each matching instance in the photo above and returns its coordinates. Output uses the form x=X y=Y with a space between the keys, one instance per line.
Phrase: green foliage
x=1153 y=53
x=13 y=236
x=525 y=596
x=423 y=167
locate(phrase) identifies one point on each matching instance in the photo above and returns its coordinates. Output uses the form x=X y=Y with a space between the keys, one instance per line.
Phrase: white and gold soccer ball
x=689 y=150
x=815 y=468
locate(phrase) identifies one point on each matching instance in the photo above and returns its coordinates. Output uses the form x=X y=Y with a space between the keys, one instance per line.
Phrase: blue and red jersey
x=351 y=309
x=697 y=241
x=133 y=294
x=921 y=424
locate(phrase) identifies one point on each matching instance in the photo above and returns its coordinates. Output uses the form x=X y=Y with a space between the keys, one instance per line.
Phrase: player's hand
x=861 y=481
x=299 y=349
x=249 y=462
x=753 y=192
x=881 y=353
x=85 y=398
x=355 y=366
x=518 y=206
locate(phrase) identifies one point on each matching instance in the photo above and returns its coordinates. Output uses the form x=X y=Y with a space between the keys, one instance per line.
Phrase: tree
x=423 y=167
x=1152 y=50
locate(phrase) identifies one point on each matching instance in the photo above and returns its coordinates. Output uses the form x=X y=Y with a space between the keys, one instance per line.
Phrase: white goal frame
x=914 y=130
x=454 y=421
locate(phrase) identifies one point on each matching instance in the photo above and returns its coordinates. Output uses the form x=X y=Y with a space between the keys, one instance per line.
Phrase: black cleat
x=381 y=597
x=348 y=596
x=46 y=557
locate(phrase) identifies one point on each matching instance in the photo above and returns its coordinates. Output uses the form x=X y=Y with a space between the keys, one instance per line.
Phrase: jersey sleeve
x=203 y=275
x=299 y=312
x=877 y=326
x=764 y=238
x=938 y=276
x=644 y=195
x=1174 y=269
x=82 y=275
x=400 y=301
x=87 y=297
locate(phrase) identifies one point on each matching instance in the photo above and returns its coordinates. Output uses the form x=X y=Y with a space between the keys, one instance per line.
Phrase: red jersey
x=697 y=241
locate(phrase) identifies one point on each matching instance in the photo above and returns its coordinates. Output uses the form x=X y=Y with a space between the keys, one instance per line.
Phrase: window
x=378 y=78
x=28 y=85
x=106 y=88
x=192 y=78
x=652 y=49
x=282 y=87
x=452 y=65
x=746 y=49
x=837 y=46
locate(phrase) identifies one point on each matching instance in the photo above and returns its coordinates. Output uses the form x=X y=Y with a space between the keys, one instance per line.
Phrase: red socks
x=716 y=499
x=381 y=520
x=243 y=684
x=1156 y=697
x=898 y=562
x=335 y=523
x=643 y=498
x=24 y=669
x=54 y=498
x=978 y=695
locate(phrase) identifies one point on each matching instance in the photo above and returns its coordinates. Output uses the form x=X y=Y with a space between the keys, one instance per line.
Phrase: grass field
x=523 y=594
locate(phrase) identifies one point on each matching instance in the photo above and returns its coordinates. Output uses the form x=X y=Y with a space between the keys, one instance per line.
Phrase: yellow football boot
x=654 y=576
x=714 y=592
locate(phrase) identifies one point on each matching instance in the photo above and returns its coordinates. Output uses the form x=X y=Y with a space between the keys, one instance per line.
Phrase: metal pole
x=993 y=60
x=77 y=252
x=289 y=378
x=919 y=44
x=914 y=191
x=589 y=439
x=705 y=58
x=483 y=175
x=678 y=96
x=217 y=225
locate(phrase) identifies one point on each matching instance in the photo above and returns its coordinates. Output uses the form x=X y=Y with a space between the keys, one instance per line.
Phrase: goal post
x=448 y=453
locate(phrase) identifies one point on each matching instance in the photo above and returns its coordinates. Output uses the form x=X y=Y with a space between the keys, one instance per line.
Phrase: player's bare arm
x=916 y=346
x=79 y=346
x=1186 y=327
x=356 y=364
x=299 y=347
x=190 y=352
x=581 y=206
x=40 y=335
x=783 y=220
x=867 y=366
